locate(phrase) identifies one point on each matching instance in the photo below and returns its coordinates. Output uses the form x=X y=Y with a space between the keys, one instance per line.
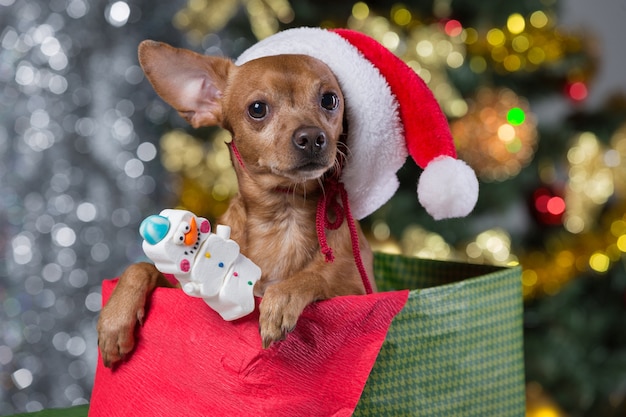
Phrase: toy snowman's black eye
x=179 y=236
x=258 y=110
x=330 y=101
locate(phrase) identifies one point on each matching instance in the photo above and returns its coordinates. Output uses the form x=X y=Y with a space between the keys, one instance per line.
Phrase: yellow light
x=576 y=155
x=181 y=20
x=520 y=43
x=402 y=17
x=415 y=66
x=197 y=5
x=506 y=132
x=574 y=224
x=599 y=262
x=221 y=192
x=471 y=35
x=391 y=40
x=360 y=11
x=499 y=53
x=496 y=37
x=454 y=59
x=529 y=278
x=458 y=108
x=515 y=23
x=612 y=158
x=536 y=55
x=443 y=91
x=545 y=411
x=621 y=243
x=443 y=48
x=538 y=19
x=473 y=250
x=565 y=259
x=381 y=230
x=512 y=63
x=589 y=143
x=424 y=48
x=618 y=228
x=478 y=64
x=424 y=75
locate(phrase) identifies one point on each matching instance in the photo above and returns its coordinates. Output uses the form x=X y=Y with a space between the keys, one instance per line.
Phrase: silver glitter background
x=79 y=169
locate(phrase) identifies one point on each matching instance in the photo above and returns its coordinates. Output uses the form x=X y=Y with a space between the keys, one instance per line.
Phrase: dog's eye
x=258 y=110
x=330 y=101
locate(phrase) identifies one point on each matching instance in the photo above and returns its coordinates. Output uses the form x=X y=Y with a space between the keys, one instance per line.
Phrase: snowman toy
x=207 y=265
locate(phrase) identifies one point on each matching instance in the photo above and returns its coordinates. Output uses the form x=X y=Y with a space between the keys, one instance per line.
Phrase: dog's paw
x=116 y=333
x=279 y=313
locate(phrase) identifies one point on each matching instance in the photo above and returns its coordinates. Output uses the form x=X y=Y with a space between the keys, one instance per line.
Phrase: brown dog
x=285 y=114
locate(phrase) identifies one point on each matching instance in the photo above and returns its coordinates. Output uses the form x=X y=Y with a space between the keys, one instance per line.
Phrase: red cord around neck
x=329 y=202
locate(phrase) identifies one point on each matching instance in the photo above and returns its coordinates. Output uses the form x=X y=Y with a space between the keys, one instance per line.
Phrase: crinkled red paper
x=189 y=362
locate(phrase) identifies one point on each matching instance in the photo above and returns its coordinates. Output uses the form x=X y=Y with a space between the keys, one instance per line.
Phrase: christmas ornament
x=498 y=136
x=548 y=206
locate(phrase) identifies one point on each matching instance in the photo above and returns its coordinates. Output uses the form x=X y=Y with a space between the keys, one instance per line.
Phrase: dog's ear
x=191 y=83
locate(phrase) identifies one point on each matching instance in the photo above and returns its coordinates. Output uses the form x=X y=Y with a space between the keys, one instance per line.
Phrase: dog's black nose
x=309 y=139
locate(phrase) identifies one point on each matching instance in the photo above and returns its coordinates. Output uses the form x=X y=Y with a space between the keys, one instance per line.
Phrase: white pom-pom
x=447 y=188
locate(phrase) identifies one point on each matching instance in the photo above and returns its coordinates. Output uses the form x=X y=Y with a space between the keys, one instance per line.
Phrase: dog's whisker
x=304 y=192
x=345 y=152
x=336 y=166
x=321 y=183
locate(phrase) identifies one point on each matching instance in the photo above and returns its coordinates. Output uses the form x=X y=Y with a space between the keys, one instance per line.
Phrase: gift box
x=456 y=348
x=439 y=339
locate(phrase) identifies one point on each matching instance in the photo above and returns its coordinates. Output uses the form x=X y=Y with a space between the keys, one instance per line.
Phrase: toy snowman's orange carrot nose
x=191 y=235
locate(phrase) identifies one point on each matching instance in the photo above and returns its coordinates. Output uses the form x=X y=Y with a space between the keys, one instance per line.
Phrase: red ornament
x=548 y=206
x=577 y=91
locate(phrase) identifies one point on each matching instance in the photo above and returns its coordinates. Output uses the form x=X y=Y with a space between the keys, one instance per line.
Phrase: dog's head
x=285 y=112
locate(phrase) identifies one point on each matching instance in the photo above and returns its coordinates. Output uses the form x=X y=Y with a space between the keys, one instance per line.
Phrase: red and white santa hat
x=391 y=114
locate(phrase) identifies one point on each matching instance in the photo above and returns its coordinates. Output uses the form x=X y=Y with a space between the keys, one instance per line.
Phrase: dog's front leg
x=126 y=307
x=284 y=301
x=281 y=307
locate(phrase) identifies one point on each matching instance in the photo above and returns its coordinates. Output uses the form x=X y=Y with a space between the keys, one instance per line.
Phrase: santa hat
x=391 y=113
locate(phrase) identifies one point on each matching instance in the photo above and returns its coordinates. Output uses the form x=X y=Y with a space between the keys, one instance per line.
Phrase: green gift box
x=456 y=348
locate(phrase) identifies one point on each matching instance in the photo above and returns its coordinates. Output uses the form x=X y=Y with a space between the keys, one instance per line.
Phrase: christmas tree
x=88 y=150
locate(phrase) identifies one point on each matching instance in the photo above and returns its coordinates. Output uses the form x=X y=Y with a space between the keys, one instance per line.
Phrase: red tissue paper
x=189 y=362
